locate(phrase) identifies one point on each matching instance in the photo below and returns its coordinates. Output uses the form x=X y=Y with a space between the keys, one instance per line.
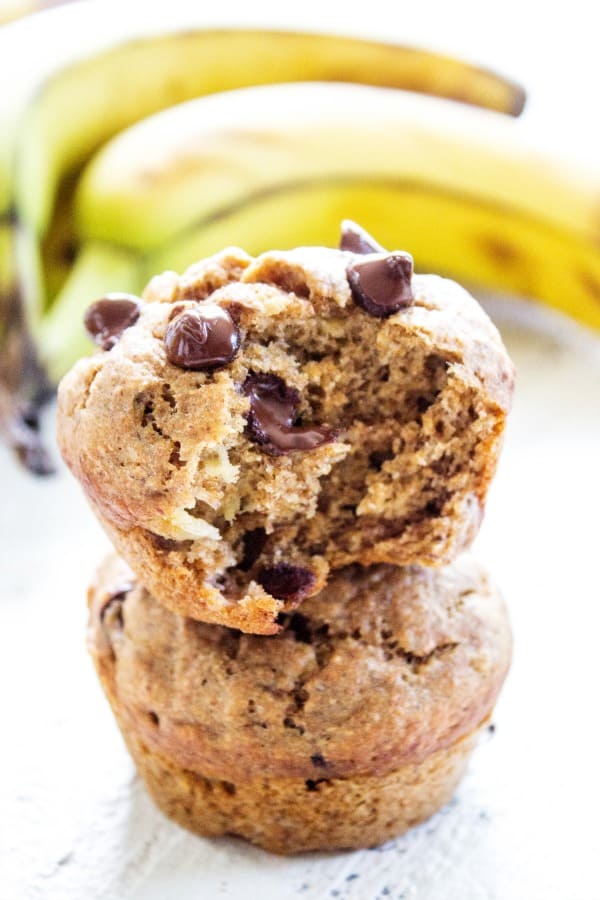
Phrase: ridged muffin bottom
x=351 y=725
x=293 y=815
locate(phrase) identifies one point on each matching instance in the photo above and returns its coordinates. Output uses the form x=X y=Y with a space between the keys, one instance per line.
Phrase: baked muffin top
x=256 y=422
x=382 y=668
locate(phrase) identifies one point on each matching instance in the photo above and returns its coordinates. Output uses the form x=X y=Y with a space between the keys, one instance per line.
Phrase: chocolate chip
x=312 y=785
x=106 y=319
x=202 y=338
x=378 y=457
x=168 y=544
x=253 y=543
x=273 y=408
x=382 y=284
x=177 y=310
x=317 y=759
x=112 y=608
x=299 y=625
x=356 y=240
x=287 y=582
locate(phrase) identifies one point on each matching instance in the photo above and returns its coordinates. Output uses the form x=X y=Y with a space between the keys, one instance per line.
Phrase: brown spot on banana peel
x=409 y=185
x=500 y=251
x=504 y=254
x=590 y=284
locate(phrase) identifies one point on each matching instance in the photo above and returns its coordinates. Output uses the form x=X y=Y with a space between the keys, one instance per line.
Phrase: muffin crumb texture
x=255 y=427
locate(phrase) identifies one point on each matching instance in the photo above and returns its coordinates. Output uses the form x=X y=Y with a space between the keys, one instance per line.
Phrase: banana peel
x=70 y=96
x=74 y=95
x=465 y=191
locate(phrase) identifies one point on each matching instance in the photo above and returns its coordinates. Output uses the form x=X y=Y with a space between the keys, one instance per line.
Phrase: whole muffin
x=352 y=724
x=254 y=423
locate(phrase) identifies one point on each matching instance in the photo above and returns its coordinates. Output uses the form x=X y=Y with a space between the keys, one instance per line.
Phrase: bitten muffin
x=352 y=724
x=254 y=423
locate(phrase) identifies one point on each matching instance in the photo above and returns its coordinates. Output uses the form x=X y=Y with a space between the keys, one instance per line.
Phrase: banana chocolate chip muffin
x=251 y=425
x=352 y=724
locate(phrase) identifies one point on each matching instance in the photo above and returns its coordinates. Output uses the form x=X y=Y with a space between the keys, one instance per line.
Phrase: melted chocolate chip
x=356 y=240
x=287 y=582
x=317 y=759
x=177 y=310
x=273 y=408
x=202 y=338
x=106 y=319
x=382 y=284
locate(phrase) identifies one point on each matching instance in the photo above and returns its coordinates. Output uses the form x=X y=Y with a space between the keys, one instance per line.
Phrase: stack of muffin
x=291 y=453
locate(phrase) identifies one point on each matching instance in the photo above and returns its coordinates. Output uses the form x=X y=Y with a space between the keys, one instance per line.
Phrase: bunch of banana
x=76 y=76
x=462 y=189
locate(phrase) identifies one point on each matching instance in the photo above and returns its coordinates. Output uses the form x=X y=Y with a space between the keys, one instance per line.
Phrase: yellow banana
x=197 y=160
x=57 y=247
x=471 y=241
x=6 y=261
x=75 y=76
x=468 y=239
x=76 y=94
x=72 y=95
x=463 y=190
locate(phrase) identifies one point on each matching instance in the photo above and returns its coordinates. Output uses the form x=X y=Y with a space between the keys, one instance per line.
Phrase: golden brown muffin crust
x=417 y=403
x=383 y=668
x=292 y=815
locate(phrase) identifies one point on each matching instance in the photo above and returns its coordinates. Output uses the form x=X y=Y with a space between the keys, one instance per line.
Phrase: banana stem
x=24 y=386
x=21 y=373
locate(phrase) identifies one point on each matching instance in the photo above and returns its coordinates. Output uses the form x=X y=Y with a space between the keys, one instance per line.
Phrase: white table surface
x=75 y=822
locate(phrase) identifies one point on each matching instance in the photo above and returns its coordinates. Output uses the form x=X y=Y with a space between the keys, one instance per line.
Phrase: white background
x=75 y=823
